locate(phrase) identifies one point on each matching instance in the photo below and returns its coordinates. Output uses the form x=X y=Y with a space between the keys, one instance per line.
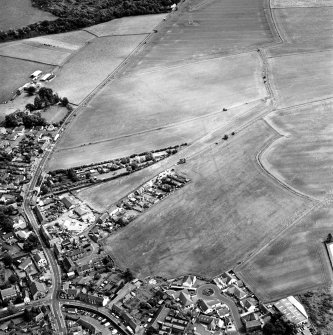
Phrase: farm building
x=292 y=309
x=36 y=74
x=46 y=76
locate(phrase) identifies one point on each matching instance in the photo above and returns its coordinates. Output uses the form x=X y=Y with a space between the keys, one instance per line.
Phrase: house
x=206 y=320
x=3 y=131
x=40 y=259
x=72 y=293
x=223 y=311
x=225 y=280
x=86 y=325
x=79 y=211
x=69 y=202
x=68 y=264
x=84 y=269
x=23 y=235
x=93 y=299
x=208 y=306
x=39 y=317
x=185 y=299
x=237 y=292
x=25 y=264
x=189 y=281
x=250 y=305
x=8 y=236
x=19 y=130
x=8 y=294
x=38 y=290
x=20 y=224
x=252 y=325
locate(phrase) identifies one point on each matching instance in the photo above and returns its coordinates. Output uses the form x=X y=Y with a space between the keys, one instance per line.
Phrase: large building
x=292 y=309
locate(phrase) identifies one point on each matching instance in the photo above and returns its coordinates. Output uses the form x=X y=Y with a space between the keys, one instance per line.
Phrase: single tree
x=31 y=90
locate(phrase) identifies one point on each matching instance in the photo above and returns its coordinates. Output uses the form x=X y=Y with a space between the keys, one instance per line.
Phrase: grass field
x=296 y=27
x=300 y=3
x=303 y=159
x=20 y=13
x=295 y=263
x=71 y=41
x=143 y=24
x=302 y=78
x=87 y=68
x=54 y=114
x=36 y=53
x=159 y=99
x=218 y=27
x=199 y=229
x=15 y=72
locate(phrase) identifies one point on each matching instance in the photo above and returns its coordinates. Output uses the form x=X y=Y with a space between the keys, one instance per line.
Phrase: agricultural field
x=187 y=131
x=295 y=262
x=36 y=53
x=91 y=65
x=215 y=27
x=156 y=100
x=143 y=24
x=54 y=114
x=69 y=41
x=20 y=13
x=303 y=158
x=15 y=73
x=302 y=78
x=199 y=229
x=301 y=3
x=296 y=27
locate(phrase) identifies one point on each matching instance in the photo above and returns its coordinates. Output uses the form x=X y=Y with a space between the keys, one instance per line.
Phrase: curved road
x=101 y=310
x=224 y=299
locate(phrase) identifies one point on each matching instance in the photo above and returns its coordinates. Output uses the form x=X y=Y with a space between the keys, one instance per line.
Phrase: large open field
x=20 y=13
x=36 y=53
x=15 y=72
x=187 y=131
x=229 y=209
x=296 y=262
x=303 y=29
x=218 y=26
x=302 y=78
x=154 y=100
x=304 y=157
x=143 y=24
x=91 y=65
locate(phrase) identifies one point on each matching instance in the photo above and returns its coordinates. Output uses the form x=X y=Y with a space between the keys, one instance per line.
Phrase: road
x=101 y=310
x=224 y=299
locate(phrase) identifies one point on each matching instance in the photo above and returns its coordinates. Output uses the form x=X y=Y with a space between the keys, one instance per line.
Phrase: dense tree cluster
x=279 y=326
x=6 y=222
x=17 y=118
x=73 y=15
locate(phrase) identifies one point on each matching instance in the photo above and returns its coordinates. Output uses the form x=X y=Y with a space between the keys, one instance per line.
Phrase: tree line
x=73 y=16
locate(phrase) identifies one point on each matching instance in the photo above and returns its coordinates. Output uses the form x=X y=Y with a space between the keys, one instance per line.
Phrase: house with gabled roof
x=8 y=293
x=185 y=299
x=189 y=281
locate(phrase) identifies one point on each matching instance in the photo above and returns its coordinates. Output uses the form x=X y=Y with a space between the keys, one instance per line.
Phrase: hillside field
x=150 y=101
x=198 y=229
x=91 y=65
x=296 y=262
x=296 y=27
x=142 y=24
x=207 y=28
x=302 y=78
x=303 y=158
